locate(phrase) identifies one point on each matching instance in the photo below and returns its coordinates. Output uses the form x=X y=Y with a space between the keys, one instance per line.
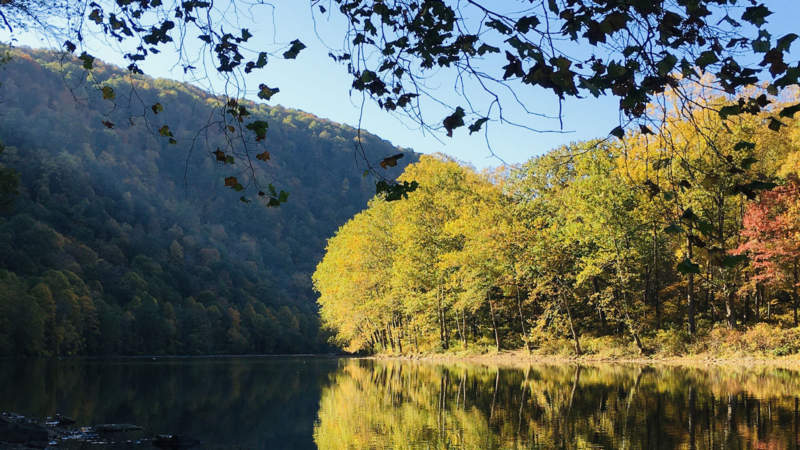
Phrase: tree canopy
x=638 y=245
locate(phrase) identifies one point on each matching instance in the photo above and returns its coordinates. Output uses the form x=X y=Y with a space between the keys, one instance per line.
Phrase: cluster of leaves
x=118 y=242
x=619 y=239
x=633 y=50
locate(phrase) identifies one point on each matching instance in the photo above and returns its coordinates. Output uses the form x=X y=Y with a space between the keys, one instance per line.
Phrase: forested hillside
x=681 y=240
x=120 y=242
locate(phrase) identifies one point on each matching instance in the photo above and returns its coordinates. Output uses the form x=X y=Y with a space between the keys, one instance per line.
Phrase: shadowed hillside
x=119 y=242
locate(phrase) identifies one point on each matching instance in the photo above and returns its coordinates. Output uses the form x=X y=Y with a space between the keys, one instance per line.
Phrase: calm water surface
x=326 y=403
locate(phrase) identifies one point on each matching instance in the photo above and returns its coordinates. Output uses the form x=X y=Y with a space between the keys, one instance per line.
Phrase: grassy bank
x=760 y=344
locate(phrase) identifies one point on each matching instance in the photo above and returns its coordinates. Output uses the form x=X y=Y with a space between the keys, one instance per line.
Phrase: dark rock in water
x=171 y=441
x=116 y=427
x=64 y=420
x=21 y=431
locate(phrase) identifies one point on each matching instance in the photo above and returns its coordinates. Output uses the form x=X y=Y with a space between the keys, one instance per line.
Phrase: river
x=330 y=403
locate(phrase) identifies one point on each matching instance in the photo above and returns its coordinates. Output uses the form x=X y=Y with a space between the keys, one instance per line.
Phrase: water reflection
x=291 y=403
x=226 y=403
x=416 y=405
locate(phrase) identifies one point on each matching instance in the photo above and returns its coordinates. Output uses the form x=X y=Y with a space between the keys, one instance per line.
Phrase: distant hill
x=122 y=243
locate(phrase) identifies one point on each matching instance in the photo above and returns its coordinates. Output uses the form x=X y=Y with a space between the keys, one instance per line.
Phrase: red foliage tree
x=771 y=229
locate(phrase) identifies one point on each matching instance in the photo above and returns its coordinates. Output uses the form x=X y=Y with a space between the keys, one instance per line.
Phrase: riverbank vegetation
x=684 y=239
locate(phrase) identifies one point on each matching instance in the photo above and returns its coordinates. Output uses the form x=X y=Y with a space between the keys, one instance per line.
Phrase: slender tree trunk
x=633 y=332
x=464 y=327
x=494 y=324
x=522 y=401
x=400 y=334
x=522 y=322
x=690 y=293
x=746 y=316
x=459 y=330
x=794 y=289
x=575 y=337
x=441 y=318
x=600 y=313
x=756 y=306
x=730 y=315
x=692 y=397
x=494 y=393
x=391 y=337
x=655 y=286
x=575 y=382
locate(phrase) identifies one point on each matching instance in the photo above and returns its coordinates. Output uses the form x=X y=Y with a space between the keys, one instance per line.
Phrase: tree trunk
x=654 y=286
x=794 y=289
x=464 y=327
x=575 y=337
x=494 y=325
x=600 y=312
x=441 y=318
x=522 y=322
x=690 y=294
x=730 y=315
x=391 y=337
x=756 y=305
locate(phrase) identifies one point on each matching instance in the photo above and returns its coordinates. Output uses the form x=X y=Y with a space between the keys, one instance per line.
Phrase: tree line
x=649 y=242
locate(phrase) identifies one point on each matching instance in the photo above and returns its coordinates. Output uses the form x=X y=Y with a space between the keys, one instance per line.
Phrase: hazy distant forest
x=109 y=245
x=136 y=212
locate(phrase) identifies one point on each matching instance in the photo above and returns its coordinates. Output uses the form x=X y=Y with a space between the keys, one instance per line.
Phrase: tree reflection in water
x=400 y=404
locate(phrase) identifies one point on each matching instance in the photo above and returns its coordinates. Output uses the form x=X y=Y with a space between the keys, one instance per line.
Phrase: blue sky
x=316 y=84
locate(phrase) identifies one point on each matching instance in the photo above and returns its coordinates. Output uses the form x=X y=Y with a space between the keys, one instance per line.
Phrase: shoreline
x=521 y=358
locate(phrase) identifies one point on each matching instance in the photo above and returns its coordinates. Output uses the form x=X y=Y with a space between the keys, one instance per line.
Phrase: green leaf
x=259 y=127
x=760 y=46
x=108 y=93
x=775 y=124
x=395 y=191
x=165 y=131
x=785 y=42
x=295 y=47
x=454 y=121
x=618 y=132
x=729 y=110
x=747 y=162
x=666 y=65
x=88 y=60
x=756 y=15
x=706 y=58
x=157 y=108
x=790 y=111
x=673 y=228
x=733 y=260
x=390 y=161
x=476 y=126
x=744 y=145
x=687 y=266
x=705 y=227
x=265 y=92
